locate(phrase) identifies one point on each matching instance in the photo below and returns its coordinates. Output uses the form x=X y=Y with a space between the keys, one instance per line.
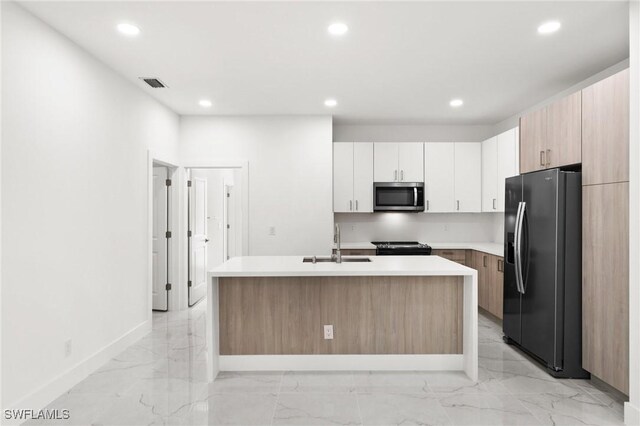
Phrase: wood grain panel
x=496 y=286
x=564 y=131
x=605 y=130
x=458 y=256
x=605 y=283
x=533 y=132
x=370 y=315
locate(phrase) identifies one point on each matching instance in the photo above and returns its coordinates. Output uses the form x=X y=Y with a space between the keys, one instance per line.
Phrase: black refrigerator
x=543 y=269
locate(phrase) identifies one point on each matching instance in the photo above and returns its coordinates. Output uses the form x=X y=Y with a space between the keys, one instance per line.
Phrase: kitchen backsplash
x=432 y=227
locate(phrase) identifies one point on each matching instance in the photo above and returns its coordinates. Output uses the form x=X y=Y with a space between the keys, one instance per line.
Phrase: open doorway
x=214 y=223
x=161 y=237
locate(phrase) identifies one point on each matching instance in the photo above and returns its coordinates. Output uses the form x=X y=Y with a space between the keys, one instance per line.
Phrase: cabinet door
x=490 y=175
x=605 y=283
x=363 y=177
x=439 y=166
x=343 y=177
x=468 y=177
x=605 y=130
x=385 y=162
x=507 y=161
x=496 y=273
x=564 y=131
x=480 y=261
x=411 y=162
x=533 y=132
x=458 y=256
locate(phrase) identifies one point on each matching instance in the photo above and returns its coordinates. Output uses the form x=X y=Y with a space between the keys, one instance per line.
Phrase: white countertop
x=495 y=249
x=292 y=266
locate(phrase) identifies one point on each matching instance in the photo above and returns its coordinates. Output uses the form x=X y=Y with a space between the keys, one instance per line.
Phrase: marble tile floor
x=161 y=380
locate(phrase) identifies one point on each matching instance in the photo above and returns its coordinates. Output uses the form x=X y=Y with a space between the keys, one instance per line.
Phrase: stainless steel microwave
x=398 y=197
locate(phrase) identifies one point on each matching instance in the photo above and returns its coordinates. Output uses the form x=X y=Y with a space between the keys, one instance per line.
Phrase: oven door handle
x=415 y=197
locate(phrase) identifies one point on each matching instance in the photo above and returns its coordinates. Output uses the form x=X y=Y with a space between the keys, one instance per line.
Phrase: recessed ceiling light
x=205 y=103
x=456 y=102
x=330 y=103
x=337 y=28
x=128 y=29
x=549 y=27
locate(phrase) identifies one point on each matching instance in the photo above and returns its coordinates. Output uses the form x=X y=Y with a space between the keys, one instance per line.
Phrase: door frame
x=243 y=167
x=173 y=173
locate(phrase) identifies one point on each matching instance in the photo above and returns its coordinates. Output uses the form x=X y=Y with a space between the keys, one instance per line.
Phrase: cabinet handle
x=542 y=162
x=356 y=205
x=500 y=265
x=350 y=205
x=395 y=175
x=494 y=203
x=548 y=157
x=457 y=204
x=401 y=175
x=484 y=261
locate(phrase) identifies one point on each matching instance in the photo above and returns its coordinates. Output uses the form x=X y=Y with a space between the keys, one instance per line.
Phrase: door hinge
x=228 y=195
x=188 y=183
x=228 y=226
x=188 y=234
x=167 y=182
x=188 y=283
x=167 y=234
x=168 y=286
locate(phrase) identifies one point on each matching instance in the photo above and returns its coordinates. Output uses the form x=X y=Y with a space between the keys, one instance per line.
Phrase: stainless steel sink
x=330 y=259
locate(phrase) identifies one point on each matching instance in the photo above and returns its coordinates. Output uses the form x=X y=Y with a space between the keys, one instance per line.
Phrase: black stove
x=401 y=248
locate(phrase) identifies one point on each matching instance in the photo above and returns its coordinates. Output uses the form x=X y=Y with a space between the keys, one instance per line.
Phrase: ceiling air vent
x=153 y=82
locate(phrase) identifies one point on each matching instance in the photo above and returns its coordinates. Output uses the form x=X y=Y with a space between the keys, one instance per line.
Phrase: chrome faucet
x=336 y=239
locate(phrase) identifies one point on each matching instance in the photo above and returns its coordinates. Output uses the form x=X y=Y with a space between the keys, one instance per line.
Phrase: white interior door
x=198 y=240
x=159 y=244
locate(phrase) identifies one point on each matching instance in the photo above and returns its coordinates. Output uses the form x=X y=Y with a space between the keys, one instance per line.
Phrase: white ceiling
x=399 y=62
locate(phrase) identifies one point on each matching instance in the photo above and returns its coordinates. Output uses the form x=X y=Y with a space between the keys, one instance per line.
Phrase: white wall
x=75 y=208
x=423 y=227
x=410 y=133
x=290 y=175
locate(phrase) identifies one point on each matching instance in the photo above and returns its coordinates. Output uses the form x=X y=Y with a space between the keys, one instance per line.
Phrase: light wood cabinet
x=552 y=136
x=398 y=162
x=564 y=131
x=605 y=283
x=490 y=281
x=439 y=164
x=605 y=130
x=468 y=177
x=533 y=130
x=455 y=255
x=352 y=177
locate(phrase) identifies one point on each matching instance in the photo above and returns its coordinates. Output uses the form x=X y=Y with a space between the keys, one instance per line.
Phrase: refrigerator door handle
x=518 y=244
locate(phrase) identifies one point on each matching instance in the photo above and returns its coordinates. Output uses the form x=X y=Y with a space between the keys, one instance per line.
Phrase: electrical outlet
x=328 y=332
x=67 y=348
x=272 y=230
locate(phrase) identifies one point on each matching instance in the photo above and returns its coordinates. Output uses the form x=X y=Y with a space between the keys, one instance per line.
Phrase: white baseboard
x=340 y=362
x=48 y=392
x=631 y=414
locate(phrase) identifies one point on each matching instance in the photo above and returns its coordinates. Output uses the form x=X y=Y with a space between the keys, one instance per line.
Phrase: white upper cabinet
x=352 y=177
x=508 y=161
x=411 y=162
x=398 y=162
x=363 y=177
x=385 y=162
x=468 y=176
x=343 y=177
x=490 y=175
x=438 y=177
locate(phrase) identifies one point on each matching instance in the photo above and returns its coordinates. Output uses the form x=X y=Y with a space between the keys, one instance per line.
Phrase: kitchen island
x=389 y=313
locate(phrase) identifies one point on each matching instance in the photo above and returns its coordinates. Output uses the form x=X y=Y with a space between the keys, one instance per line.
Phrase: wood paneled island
x=392 y=313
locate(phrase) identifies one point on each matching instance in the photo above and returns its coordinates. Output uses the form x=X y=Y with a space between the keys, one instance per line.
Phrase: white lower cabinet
x=468 y=177
x=352 y=177
x=439 y=177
